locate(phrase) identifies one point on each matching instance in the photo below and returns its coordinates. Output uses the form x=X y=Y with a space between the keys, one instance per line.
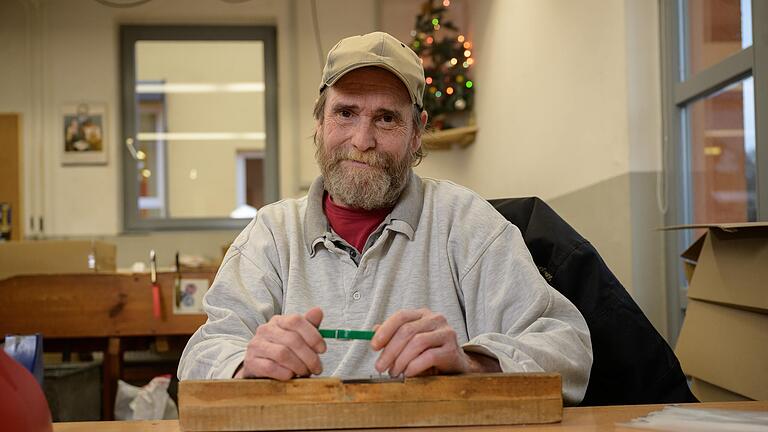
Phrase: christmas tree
x=447 y=58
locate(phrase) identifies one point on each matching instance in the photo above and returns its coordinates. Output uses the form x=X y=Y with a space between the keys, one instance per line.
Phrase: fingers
x=387 y=330
x=289 y=349
x=286 y=346
x=422 y=346
x=299 y=324
x=417 y=331
x=314 y=316
x=265 y=368
x=424 y=363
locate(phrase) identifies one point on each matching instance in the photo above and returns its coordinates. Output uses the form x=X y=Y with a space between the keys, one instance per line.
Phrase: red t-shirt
x=353 y=225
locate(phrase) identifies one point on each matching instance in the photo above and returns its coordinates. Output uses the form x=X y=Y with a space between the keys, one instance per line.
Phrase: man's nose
x=363 y=136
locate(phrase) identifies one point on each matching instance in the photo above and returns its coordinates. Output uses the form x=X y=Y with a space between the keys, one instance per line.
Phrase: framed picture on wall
x=84 y=132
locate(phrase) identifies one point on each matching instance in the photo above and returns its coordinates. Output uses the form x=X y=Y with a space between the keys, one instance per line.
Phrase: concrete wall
x=567 y=105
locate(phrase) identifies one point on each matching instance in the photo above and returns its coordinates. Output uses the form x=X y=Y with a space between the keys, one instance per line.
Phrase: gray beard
x=374 y=187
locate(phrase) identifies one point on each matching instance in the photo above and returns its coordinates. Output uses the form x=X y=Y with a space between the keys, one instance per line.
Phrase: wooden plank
x=112 y=368
x=92 y=305
x=328 y=403
x=10 y=169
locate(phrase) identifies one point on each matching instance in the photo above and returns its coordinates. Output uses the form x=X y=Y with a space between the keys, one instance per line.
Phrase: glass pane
x=722 y=155
x=716 y=30
x=199 y=105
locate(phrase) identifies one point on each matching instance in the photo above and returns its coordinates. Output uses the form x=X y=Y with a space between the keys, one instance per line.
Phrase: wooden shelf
x=445 y=139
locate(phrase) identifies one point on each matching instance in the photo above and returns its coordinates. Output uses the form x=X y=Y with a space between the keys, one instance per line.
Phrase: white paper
x=676 y=418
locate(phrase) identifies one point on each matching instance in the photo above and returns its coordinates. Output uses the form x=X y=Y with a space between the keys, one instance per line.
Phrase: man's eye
x=388 y=118
x=345 y=113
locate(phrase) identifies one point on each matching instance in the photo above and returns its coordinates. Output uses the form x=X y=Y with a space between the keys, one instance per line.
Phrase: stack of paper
x=675 y=418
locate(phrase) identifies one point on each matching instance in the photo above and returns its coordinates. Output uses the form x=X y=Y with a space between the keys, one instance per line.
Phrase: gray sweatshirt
x=442 y=247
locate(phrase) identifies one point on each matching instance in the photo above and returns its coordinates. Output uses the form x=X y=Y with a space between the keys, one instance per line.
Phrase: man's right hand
x=285 y=347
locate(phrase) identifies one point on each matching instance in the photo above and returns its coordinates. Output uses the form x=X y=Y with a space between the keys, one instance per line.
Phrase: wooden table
x=106 y=312
x=586 y=419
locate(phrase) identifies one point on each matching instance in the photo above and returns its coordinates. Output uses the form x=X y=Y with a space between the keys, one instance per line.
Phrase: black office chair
x=632 y=364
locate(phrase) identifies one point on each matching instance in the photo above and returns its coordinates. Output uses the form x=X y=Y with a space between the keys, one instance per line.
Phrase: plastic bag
x=151 y=402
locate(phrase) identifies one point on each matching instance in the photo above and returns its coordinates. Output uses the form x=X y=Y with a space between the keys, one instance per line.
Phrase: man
x=446 y=282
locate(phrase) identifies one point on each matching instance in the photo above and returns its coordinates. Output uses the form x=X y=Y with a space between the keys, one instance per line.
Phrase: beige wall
x=551 y=98
x=567 y=105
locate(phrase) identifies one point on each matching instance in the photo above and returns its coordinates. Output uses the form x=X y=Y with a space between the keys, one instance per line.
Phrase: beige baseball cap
x=376 y=49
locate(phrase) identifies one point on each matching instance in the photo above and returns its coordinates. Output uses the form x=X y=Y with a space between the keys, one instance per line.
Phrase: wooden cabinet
x=10 y=169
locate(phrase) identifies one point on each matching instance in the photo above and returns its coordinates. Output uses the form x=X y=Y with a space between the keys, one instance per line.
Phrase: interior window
x=199 y=124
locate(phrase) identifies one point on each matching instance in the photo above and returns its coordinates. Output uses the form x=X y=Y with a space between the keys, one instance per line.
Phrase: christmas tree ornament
x=446 y=56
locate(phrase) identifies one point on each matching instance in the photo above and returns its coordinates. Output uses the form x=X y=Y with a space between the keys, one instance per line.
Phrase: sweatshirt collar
x=404 y=217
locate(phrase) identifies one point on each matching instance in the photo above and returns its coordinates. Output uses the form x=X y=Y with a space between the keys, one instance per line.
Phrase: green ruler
x=346 y=334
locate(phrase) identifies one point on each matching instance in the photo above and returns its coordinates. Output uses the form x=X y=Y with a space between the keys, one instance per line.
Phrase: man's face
x=366 y=140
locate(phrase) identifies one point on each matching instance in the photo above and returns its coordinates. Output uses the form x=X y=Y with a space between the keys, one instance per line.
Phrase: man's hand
x=285 y=347
x=416 y=342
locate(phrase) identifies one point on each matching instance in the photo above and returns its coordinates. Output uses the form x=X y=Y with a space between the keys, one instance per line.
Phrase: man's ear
x=416 y=143
x=318 y=130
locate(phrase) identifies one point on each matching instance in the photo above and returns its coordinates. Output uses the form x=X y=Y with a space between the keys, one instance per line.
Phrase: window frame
x=129 y=35
x=678 y=93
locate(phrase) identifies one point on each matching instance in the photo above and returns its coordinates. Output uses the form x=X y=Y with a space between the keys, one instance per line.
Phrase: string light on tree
x=447 y=57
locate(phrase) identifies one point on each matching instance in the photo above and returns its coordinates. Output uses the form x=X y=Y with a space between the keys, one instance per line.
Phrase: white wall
x=551 y=98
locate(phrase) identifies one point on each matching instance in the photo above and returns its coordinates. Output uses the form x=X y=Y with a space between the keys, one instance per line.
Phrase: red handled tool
x=155 y=286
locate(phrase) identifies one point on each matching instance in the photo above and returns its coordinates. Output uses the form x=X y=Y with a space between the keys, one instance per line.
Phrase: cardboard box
x=727 y=347
x=55 y=256
x=707 y=392
x=729 y=265
x=723 y=344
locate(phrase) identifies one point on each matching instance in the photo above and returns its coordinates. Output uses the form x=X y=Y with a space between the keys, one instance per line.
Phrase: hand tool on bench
x=156 y=311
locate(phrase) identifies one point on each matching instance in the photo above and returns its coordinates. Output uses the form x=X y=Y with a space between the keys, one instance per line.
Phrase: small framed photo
x=188 y=297
x=84 y=131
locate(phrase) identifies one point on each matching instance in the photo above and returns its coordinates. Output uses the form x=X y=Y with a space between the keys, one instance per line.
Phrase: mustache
x=371 y=158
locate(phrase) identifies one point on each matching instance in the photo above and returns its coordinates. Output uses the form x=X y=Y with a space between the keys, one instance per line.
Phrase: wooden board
x=328 y=403
x=10 y=169
x=92 y=305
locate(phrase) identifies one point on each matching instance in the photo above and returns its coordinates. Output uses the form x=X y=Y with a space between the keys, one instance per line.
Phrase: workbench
x=108 y=312
x=586 y=419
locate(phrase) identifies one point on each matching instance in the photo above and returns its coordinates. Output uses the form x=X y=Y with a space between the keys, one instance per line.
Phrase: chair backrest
x=632 y=363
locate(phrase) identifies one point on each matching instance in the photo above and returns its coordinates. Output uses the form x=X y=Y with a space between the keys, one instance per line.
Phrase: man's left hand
x=416 y=342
